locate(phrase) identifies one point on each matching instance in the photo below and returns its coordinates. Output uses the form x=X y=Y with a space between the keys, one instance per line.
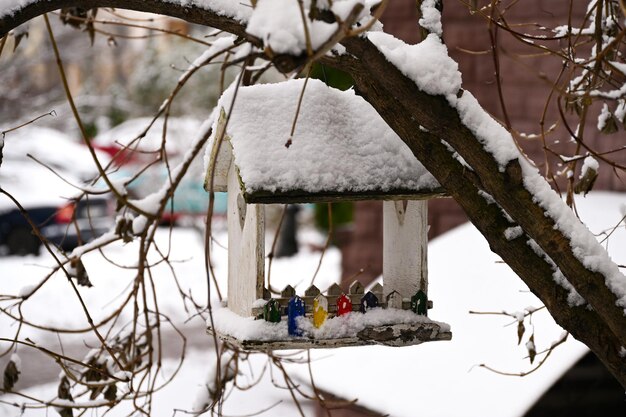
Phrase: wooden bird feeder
x=342 y=151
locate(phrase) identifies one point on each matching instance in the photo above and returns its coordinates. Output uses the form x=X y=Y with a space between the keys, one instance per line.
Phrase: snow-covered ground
x=438 y=379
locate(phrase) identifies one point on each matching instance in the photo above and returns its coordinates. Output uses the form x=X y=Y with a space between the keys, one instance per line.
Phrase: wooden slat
x=246 y=243
x=300 y=196
x=388 y=335
x=405 y=242
x=221 y=157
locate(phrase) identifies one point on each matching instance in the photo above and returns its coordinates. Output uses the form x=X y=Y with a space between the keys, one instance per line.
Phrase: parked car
x=190 y=199
x=53 y=148
x=50 y=200
x=66 y=226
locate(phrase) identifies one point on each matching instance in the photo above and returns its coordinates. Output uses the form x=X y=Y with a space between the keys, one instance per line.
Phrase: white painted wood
x=394 y=300
x=405 y=242
x=221 y=157
x=246 y=249
x=356 y=288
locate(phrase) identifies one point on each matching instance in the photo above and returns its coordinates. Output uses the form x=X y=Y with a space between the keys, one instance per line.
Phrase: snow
x=426 y=63
x=218 y=46
x=17 y=361
x=139 y=224
x=603 y=117
x=279 y=24
x=206 y=392
x=111 y=280
x=573 y=298
x=589 y=163
x=9 y=7
x=431 y=17
x=583 y=243
x=238 y=10
x=513 y=233
x=342 y=9
x=360 y=153
x=26 y=290
x=620 y=110
x=49 y=190
x=493 y=136
x=53 y=148
x=181 y=394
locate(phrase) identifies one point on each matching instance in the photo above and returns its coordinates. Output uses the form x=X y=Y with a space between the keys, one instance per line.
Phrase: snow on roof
x=280 y=24
x=340 y=144
x=442 y=379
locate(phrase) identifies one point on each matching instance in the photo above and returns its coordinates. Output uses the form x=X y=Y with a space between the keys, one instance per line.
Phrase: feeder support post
x=405 y=243
x=246 y=249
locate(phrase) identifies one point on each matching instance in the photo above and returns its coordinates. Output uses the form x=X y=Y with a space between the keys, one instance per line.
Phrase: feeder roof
x=341 y=149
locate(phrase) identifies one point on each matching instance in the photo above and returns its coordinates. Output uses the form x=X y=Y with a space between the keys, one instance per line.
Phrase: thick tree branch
x=190 y=12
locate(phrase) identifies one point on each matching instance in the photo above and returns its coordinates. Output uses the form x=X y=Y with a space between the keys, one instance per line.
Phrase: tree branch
x=191 y=13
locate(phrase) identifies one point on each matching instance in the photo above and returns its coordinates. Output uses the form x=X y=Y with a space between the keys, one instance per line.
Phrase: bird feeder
x=340 y=150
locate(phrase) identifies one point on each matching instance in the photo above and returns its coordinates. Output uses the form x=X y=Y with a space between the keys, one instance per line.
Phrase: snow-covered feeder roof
x=341 y=149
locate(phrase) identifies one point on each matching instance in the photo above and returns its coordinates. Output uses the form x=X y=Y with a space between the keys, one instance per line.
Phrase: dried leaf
x=520 y=331
x=585 y=184
x=95 y=372
x=95 y=391
x=73 y=16
x=65 y=412
x=610 y=126
x=63 y=392
x=11 y=375
x=124 y=229
x=18 y=38
x=77 y=270
x=111 y=393
x=530 y=345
